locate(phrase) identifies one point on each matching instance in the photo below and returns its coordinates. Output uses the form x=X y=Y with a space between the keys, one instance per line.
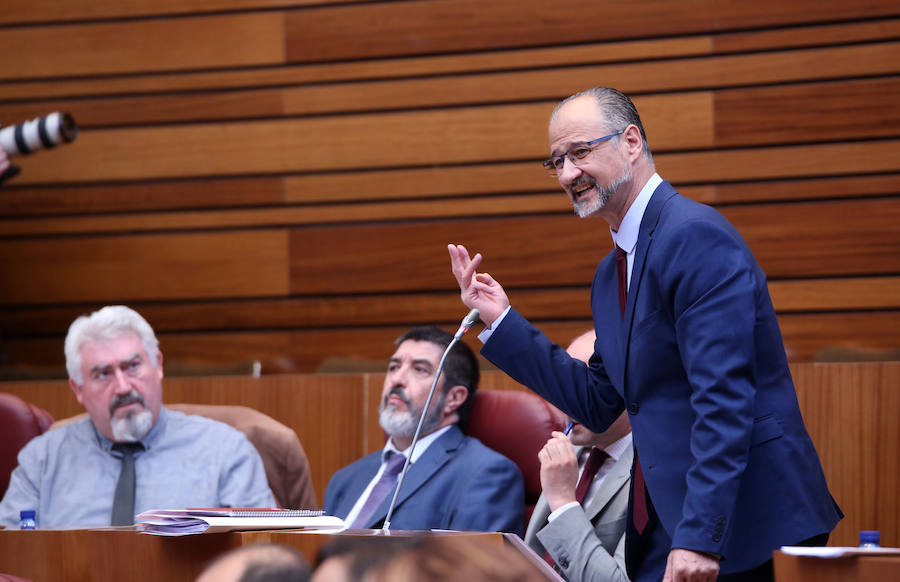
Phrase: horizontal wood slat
x=821 y=37
x=796 y=239
x=803 y=295
x=793 y=113
x=355 y=349
x=145 y=46
x=340 y=143
x=382 y=30
x=178 y=266
x=420 y=139
x=320 y=192
x=36 y=11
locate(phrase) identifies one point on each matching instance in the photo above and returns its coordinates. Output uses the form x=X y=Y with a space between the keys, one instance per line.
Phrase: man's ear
x=633 y=141
x=456 y=396
x=78 y=390
x=159 y=365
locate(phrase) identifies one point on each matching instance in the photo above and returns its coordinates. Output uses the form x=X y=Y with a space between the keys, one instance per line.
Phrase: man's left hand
x=689 y=566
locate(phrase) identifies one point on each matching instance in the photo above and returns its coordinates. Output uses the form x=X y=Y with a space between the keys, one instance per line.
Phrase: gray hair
x=616 y=107
x=107 y=323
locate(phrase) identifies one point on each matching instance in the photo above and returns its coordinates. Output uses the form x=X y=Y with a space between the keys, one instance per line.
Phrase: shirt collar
x=421 y=445
x=616 y=449
x=627 y=235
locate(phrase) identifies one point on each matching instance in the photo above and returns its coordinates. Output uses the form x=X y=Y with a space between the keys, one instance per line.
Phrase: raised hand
x=477 y=290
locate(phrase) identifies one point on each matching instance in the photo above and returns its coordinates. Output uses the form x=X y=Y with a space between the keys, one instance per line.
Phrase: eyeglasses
x=576 y=153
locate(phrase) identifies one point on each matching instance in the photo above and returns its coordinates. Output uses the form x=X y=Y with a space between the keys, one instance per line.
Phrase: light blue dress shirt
x=69 y=474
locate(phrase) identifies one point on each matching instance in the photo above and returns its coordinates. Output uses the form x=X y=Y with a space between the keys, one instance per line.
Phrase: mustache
x=400 y=393
x=123 y=399
x=582 y=180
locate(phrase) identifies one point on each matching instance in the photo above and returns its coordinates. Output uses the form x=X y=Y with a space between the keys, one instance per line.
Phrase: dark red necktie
x=640 y=515
x=594 y=461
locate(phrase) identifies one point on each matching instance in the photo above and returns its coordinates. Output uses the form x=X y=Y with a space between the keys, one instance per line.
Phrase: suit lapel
x=645 y=238
x=611 y=485
x=437 y=455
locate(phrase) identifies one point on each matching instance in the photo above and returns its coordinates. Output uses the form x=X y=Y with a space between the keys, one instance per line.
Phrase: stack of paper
x=837 y=551
x=178 y=522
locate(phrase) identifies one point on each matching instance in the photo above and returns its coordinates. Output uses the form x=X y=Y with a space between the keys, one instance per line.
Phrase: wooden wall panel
x=850 y=412
x=277 y=180
x=110 y=269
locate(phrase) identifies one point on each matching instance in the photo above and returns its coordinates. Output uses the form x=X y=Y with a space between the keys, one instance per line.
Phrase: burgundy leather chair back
x=19 y=423
x=517 y=425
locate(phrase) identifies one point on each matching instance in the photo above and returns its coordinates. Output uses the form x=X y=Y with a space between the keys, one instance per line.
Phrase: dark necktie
x=594 y=461
x=640 y=515
x=381 y=490
x=123 y=502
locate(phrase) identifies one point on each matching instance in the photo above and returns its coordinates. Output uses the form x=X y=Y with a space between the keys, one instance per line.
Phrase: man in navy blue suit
x=687 y=343
x=454 y=481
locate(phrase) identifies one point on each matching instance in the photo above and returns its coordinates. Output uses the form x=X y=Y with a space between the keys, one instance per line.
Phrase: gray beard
x=589 y=207
x=403 y=424
x=132 y=427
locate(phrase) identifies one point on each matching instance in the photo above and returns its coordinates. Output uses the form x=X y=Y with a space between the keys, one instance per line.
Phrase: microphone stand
x=467 y=322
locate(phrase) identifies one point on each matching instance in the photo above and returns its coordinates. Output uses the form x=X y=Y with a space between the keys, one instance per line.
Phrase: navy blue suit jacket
x=699 y=363
x=458 y=483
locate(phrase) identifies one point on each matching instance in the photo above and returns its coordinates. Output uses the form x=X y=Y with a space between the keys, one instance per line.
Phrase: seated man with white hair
x=131 y=454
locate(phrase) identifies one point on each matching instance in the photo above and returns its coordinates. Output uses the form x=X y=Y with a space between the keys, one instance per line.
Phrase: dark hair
x=617 y=108
x=460 y=367
x=279 y=572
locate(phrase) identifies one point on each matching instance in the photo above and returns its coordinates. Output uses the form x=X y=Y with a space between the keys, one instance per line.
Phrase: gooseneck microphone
x=467 y=322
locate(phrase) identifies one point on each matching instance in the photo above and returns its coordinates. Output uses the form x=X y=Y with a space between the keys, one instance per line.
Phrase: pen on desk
x=569 y=428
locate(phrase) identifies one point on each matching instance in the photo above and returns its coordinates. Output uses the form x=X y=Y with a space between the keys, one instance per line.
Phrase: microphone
x=467 y=322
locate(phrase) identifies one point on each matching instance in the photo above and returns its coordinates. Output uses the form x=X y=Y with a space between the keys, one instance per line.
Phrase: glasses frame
x=550 y=163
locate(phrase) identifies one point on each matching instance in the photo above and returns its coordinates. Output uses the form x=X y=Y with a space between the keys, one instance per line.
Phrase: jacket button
x=563 y=563
x=633 y=408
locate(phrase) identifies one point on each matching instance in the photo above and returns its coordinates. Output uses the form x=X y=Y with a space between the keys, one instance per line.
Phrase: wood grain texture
x=35 y=11
x=381 y=30
x=789 y=296
x=850 y=412
x=129 y=47
x=111 y=269
x=354 y=349
x=414 y=138
x=487 y=61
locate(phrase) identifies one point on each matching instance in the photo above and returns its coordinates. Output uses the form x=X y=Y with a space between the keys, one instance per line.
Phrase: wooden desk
x=790 y=568
x=109 y=555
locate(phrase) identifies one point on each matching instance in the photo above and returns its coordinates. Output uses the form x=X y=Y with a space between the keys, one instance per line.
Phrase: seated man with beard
x=130 y=454
x=453 y=481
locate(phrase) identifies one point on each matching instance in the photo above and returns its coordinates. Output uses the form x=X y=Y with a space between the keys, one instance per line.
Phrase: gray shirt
x=69 y=474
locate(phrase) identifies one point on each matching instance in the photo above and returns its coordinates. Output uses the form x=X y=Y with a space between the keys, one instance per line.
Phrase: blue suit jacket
x=458 y=483
x=699 y=363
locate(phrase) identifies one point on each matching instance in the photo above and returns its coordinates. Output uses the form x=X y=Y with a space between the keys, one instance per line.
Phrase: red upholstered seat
x=517 y=425
x=19 y=423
